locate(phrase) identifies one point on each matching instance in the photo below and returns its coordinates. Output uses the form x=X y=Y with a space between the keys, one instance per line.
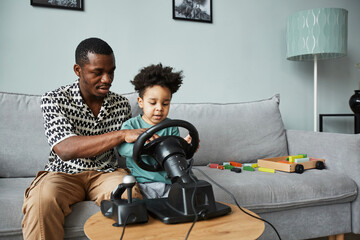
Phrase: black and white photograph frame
x=193 y=10
x=64 y=4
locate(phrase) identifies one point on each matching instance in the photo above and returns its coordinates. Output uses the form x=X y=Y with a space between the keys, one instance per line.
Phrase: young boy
x=156 y=85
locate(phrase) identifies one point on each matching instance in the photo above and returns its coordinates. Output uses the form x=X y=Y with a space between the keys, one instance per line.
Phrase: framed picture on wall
x=193 y=10
x=65 y=4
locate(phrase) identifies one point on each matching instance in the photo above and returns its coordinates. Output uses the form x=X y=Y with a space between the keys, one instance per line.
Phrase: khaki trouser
x=49 y=198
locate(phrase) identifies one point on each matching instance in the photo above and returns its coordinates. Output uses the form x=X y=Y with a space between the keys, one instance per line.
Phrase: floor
x=348 y=236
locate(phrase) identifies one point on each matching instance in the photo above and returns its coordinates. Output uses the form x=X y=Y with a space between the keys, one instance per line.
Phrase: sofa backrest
x=23 y=146
x=242 y=132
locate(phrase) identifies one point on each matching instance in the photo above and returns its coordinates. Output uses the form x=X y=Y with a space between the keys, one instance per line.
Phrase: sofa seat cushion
x=269 y=192
x=11 y=200
x=243 y=132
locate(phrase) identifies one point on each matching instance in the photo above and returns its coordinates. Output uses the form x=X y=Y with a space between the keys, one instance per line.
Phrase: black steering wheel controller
x=170 y=152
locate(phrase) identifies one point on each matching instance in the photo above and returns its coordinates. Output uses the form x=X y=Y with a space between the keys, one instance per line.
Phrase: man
x=82 y=124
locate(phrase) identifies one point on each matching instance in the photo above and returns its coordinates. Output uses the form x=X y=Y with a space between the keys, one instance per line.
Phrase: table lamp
x=317 y=34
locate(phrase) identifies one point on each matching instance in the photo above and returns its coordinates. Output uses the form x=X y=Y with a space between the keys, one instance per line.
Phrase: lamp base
x=354 y=102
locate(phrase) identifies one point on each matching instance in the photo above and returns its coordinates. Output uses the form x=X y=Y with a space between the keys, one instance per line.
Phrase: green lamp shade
x=321 y=32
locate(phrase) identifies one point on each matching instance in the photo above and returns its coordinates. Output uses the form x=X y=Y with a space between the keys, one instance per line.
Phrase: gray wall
x=241 y=56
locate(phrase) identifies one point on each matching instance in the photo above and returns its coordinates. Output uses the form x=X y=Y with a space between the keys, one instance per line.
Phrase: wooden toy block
x=292 y=158
x=248 y=168
x=213 y=165
x=235 y=164
x=301 y=160
x=228 y=166
x=269 y=170
x=253 y=165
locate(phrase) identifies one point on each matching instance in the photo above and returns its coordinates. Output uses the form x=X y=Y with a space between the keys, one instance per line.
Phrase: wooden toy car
x=283 y=164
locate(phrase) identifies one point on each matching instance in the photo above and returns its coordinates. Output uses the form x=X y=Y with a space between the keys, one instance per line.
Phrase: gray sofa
x=313 y=204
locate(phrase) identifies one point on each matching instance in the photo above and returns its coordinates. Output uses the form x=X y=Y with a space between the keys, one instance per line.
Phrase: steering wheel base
x=177 y=207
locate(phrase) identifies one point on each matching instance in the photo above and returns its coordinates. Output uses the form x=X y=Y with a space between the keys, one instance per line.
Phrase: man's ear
x=140 y=102
x=77 y=69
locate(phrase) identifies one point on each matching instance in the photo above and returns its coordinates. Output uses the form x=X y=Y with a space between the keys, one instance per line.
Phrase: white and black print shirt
x=66 y=114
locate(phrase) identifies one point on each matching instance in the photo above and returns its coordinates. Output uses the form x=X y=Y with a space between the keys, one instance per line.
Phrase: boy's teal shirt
x=126 y=150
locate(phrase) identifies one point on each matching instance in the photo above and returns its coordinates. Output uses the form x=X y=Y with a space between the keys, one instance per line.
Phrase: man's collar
x=108 y=100
x=76 y=94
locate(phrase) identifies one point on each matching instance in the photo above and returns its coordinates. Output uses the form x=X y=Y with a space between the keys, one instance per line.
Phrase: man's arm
x=89 y=146
x=67 y=144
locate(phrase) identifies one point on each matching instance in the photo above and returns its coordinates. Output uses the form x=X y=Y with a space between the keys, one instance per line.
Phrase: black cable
x=192 y=197
x=233 y=197
x=193 y=208
x=127 y=218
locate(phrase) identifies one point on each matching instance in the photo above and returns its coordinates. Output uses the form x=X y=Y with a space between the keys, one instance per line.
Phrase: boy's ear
x=140 y=102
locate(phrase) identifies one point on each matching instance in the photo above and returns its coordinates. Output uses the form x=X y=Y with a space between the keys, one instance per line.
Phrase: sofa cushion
x=268 y=192
x=242 y=132
x=24 y=149
x=11 y=214
x=11 y=199
x=132 y=97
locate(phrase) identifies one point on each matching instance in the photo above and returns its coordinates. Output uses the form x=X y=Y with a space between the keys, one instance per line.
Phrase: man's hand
x=131 y=135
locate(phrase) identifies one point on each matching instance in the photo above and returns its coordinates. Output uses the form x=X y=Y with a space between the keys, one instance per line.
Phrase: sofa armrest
x=340 y=151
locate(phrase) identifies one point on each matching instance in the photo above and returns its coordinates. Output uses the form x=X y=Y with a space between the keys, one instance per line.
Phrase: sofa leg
x=337 y=237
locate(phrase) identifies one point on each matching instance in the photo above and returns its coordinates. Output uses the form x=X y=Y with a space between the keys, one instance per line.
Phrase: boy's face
x=155 y=104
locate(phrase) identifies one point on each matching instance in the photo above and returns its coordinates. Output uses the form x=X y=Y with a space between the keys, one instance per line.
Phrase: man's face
x=96 y=76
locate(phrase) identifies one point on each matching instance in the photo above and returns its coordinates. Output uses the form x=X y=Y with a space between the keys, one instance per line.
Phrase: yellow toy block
x=269 y=170
x=292 y=158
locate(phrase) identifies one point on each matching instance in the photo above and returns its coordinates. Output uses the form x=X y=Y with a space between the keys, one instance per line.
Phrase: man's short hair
x=91 y=45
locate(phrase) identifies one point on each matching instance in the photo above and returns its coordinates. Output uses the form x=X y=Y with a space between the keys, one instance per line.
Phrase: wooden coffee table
x=235 y=225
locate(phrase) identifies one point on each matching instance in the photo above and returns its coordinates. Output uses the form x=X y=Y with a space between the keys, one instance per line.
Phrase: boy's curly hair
x=157 y=75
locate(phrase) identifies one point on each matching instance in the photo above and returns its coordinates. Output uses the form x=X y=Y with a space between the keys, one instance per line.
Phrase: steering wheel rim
x=139 y=143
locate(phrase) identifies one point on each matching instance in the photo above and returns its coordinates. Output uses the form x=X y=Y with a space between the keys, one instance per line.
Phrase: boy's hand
x=155 y=136
x=188 y=140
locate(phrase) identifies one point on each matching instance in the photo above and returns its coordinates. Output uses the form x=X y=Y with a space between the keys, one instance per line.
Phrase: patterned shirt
x=66 y=114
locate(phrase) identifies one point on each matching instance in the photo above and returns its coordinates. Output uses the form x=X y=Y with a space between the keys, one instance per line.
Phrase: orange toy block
x=235 y=164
